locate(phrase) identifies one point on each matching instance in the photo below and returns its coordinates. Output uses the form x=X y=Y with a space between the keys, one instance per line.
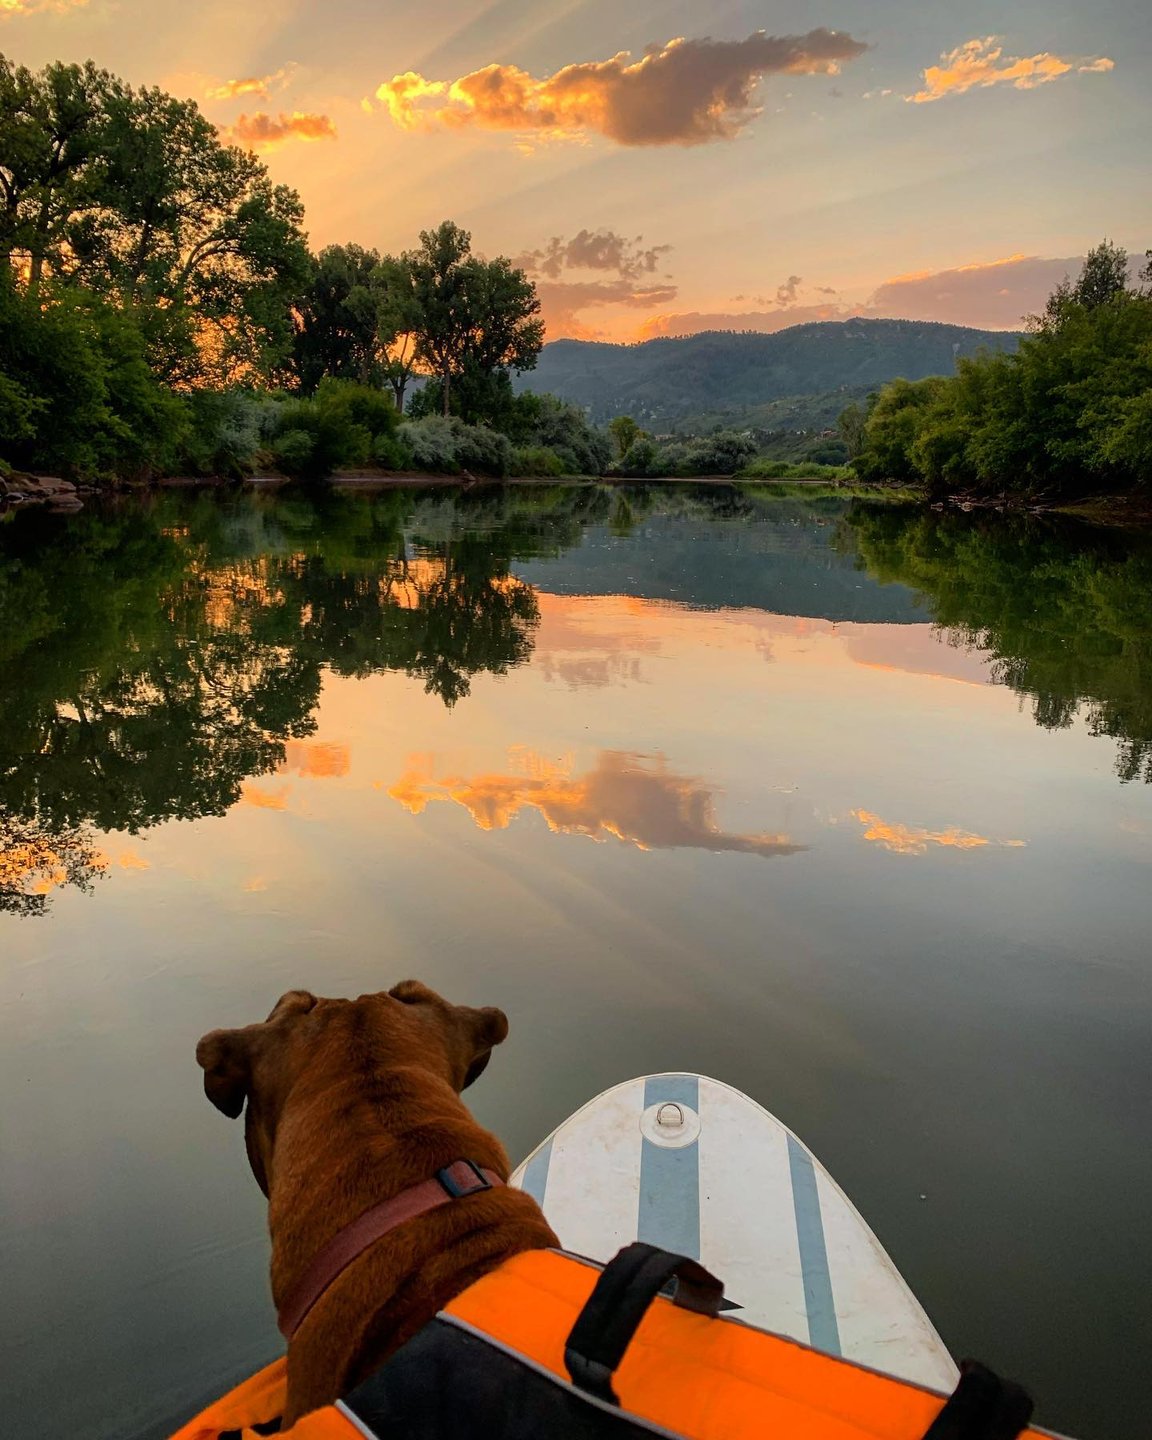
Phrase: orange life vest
x=511 y=1343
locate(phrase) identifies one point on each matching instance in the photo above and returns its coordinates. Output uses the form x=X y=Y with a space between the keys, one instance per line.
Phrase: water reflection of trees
x=1063 y=611
x=156 y=656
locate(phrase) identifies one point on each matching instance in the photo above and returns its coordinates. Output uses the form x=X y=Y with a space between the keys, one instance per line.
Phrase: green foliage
x=760 y=469
x=892 y=426
x=227 y=431
x=723 y=453
x=470 y=316
x=850 y=423
x=535 y=460
x=337 y=320
x=76 y=391
x=341 y=426
x=1068 y=415
x=132 y=195
x=625 y=432
x=445 y=445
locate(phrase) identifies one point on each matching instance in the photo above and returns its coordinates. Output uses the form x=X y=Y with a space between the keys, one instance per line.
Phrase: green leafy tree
x=625 y=432
x=850 y=423
x=338 y=320
x=473 y=316
x=132 y=194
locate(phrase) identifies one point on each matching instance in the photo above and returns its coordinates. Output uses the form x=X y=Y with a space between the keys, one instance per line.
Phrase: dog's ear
x=292 y=1002
x=225 y=1058
x=486 y=1029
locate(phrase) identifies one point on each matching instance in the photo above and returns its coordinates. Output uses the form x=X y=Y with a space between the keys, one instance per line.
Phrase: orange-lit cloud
x=316 y=760
x=258 y=85
x=978 y=64
x=686 y=92
x=634 y=798
x=264 y=132
x=911 y=840
x=11 y=8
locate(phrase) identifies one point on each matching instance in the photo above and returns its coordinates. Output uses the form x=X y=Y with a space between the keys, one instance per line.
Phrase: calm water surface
x=845 y=806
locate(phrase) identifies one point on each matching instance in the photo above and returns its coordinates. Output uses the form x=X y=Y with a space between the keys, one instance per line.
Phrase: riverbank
x=18 y=489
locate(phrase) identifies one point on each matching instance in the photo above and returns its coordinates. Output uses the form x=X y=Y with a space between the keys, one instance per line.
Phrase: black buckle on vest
x=458 y=1187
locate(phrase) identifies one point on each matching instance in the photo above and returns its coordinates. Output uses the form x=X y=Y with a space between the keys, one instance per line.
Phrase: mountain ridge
x=718 y=375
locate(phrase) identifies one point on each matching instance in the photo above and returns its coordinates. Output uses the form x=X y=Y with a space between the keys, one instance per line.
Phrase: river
x=845 y=805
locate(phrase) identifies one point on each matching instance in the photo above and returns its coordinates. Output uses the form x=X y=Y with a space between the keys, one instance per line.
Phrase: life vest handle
x=620 y=1300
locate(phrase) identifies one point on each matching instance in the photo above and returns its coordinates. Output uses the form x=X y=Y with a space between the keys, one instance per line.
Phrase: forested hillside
x=779 y=381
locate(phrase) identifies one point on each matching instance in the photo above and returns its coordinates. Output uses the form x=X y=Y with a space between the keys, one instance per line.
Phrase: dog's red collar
x=455 y=1181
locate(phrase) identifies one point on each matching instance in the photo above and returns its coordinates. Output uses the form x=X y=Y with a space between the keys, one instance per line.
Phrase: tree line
x=160 y=310
x=1068 y=415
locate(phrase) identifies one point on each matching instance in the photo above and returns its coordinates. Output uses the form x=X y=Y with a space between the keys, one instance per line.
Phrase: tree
x=1104 y=277
x=337 y=319
x=472 y=315
x=132 y=194
x=850 y=423
x=397 y=321
x=625 y=432
x=52 y=124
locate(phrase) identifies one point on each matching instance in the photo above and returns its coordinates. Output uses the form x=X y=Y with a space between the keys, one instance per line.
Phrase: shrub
x=392 y=453
x=345 y=421
x=227 y=430
x=447 y=446
x=536 y=460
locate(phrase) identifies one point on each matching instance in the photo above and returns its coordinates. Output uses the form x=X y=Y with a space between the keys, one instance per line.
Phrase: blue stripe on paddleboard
x=536 y=1172
x=670 y=1179
x=823 y=1332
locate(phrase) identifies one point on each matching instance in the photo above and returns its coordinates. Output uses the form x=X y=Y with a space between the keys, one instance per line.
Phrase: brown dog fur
x=348 y=1103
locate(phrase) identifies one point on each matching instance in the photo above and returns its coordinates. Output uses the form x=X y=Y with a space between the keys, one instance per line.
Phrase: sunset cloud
x=601 y=252
x=633 y=798
x=912 y=840
x=11 y=8
x=259 y=85
x=978 y=64
x=685 y=92
x=595 y=250
x=265 y=132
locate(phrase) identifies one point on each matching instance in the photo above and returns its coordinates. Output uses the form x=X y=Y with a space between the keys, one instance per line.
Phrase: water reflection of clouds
x=633 y=798
x=595 y=641
x=914 y=840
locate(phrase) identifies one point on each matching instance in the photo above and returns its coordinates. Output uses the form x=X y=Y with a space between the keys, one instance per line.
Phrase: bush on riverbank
x=762 y=469
x=1068 y=415
x=723 y=453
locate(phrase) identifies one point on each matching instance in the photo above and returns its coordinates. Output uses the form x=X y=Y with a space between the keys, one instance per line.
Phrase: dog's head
x=408 y=1028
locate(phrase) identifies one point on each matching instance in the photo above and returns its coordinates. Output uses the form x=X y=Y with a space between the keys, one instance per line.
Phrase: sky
x=662 y=167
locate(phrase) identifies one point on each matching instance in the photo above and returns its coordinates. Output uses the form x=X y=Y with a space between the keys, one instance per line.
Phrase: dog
x=349 y=1103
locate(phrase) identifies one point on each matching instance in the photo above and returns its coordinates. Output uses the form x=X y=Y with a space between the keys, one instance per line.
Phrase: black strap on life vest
x=610 y=1318
x=982 y=1407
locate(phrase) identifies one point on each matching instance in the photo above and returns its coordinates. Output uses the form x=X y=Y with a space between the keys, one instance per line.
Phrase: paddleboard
x=694 y=1166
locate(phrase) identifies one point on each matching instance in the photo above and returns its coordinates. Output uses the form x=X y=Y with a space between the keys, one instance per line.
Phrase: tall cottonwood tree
x=473 y=316
x=132 y=194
